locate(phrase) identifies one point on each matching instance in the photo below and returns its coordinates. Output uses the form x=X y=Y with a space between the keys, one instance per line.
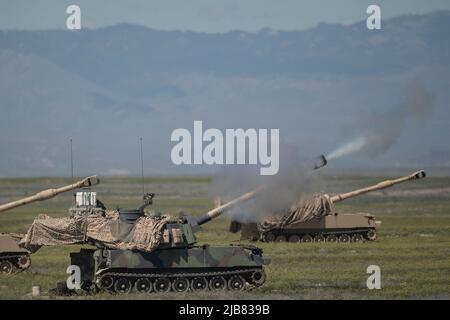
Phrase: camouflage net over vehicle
x=106 y=230
x=305 y=209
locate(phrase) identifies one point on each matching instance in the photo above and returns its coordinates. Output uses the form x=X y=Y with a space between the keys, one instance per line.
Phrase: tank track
x=14 y=263
x=126 y=282
x=341 y=236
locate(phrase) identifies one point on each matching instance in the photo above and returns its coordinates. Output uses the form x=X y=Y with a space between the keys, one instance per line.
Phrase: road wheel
x=258 y=277
x=143 y=285
x=319 y=238
x=105 y=282
x=331 y=238
x=307 y=238
x=123 y=285
x=236 y=283
x=180 y=285
x=161 y=285
x=357 y=238
x=344 y=238
x=371 y=235
x=280 y=239
x=199 y=284
x=217 y=283
x=24 y=262
x=269 y=237
x=294 y=238
x=6 y=267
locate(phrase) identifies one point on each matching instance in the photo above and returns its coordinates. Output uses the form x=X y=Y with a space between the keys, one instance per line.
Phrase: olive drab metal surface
x=177 y=264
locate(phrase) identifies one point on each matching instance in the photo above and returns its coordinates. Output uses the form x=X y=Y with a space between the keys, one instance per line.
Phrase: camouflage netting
x=107 y=230
x=315 y=206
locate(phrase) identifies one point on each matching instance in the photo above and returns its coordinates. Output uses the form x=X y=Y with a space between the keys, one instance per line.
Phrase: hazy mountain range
x=105 y=88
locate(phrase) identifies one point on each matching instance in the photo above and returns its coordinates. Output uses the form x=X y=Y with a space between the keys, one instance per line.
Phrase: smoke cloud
x=376 y=134
x=295 y=177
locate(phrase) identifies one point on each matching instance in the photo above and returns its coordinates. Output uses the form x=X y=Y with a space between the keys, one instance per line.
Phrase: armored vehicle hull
x=342 y=227
x=195 y=268
x=12 y=257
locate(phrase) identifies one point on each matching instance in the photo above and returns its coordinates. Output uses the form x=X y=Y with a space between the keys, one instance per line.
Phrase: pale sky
x=204 y=15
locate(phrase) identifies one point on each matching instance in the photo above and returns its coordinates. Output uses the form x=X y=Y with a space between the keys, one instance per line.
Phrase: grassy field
x=412 y=250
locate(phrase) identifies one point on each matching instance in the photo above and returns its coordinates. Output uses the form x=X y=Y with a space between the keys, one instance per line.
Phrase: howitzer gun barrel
x=214 y=213
x=382 y=185
x=50 y=193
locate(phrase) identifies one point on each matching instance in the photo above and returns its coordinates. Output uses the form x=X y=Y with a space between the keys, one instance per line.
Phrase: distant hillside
x=106 y=87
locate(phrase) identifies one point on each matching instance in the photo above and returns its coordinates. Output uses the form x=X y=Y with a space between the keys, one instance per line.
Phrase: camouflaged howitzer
x=178 y=264
x=323 y=224
x=14 y=258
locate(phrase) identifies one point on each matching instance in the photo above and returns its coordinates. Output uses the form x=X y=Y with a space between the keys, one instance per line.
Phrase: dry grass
x=413 y=249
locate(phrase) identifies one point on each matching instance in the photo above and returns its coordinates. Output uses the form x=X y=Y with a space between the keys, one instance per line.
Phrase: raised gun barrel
x=320 y=162
x=382 y=185
x=214 y=213
x=50 y=193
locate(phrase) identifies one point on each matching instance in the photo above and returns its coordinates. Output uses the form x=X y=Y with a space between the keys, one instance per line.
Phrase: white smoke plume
x=348 y=148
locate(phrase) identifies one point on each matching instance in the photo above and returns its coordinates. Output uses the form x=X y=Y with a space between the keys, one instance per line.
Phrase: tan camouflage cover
x=305 y=209
x=107 y=230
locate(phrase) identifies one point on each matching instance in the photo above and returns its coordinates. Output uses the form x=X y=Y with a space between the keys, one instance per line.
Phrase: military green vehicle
x=316 y=220
x=177 y=264
x=14 y=258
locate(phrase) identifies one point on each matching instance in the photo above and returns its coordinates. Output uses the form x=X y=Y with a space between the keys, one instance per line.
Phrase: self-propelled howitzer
x=316 y=220
x=178 y=263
